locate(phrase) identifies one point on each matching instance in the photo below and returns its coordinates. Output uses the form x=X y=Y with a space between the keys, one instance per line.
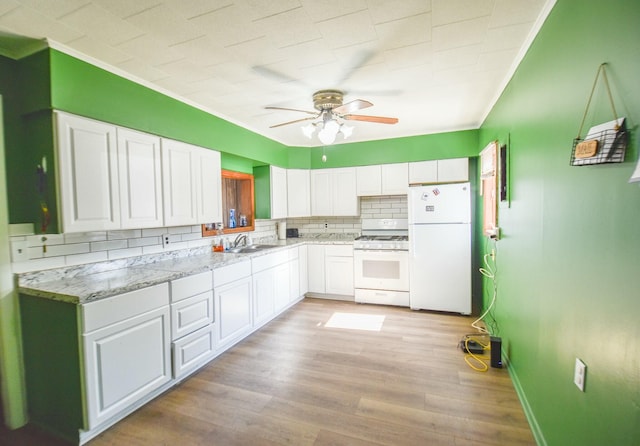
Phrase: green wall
x=459 y=144
x=568 y=261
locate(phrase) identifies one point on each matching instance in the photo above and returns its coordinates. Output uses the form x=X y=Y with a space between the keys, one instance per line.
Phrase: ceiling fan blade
x=292 y=109
x=352 y=106
x=292 y=122
x=277 y=76
x=377 y=119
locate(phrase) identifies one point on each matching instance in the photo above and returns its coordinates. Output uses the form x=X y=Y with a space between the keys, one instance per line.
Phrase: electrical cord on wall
x=478 y=343
x=490 y=271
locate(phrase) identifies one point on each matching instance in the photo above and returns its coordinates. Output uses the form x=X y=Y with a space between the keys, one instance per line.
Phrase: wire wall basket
x=607 y=146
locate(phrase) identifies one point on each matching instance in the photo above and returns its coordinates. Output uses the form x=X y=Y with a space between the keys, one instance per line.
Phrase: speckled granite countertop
x=82 y=284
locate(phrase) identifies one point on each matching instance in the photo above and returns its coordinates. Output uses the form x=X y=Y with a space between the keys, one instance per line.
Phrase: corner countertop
x=83 y=284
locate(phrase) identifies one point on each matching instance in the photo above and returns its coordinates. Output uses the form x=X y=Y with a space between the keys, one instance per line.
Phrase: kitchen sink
x=251 y=248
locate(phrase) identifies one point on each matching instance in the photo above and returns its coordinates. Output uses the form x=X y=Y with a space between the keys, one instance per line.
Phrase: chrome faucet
x=240 y=238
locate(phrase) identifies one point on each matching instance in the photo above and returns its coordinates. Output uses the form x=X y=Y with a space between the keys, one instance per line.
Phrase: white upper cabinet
x=345 y=198
x=333 y=192
x=191 y=183
x=385 y=179
x=321 y=197
x=179 y=183
x=455 y=169
x=116 y=178
x=87 y=174
x=278 y=192
x=439 y=171
x=140 y=179
x=395 y=178
x=369 y=180
x=298 y=193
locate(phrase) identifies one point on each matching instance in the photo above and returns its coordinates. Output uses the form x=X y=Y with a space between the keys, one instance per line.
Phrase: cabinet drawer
x=230 y=273
x=339 y=250
x=382 y=297
x=190 y=314
x=269 y=261
x=192 y=350
x=191 y=285
x=114 y=309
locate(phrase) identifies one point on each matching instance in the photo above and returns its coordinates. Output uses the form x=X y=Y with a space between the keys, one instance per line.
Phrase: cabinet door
x=321 y=193
x=179 y=183
x=294 y=279
x=278 y=192
x=304 y=269
x=125 y=362
x=339 y=275
x=283 y=286
x=395 y=178
x=423 y=172
x=456 y=169
x=87 y=174
x=368 y=180
x=298 y=193
x=233 y=310
x=264 y=295
x=345 y=198
x=140 y=179
x=208 y=185
x=316 y=268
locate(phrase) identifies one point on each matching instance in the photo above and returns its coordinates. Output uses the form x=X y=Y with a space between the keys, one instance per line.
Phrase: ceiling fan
x=331 y=114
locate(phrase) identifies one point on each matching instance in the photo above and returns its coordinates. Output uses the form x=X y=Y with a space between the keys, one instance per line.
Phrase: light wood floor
x=297 y=382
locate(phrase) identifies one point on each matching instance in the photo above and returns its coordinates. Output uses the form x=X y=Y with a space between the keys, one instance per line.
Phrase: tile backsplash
x=388 y=206
x=36 y=252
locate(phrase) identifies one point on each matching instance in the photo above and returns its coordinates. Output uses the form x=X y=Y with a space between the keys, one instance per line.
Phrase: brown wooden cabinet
x=238 y=194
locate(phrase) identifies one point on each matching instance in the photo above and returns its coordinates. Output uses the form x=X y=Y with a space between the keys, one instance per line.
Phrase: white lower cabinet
x=233 y=302
x=338 y=262
x=264 y=296
x=331 y=269
x=127 y=352
x=303 y=264
x=294 y=274
x=315 y=263
x=192 y=316
x=272 y=286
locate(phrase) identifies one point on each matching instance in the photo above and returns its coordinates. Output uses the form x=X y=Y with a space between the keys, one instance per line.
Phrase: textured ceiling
x=436 y=65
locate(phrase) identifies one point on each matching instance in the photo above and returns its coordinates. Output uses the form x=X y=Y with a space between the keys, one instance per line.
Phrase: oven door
x=381 y=270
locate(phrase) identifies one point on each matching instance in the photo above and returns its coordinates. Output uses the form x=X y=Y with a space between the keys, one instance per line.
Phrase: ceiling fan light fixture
x=326 y=136
x=346 y=130
x=308 y=130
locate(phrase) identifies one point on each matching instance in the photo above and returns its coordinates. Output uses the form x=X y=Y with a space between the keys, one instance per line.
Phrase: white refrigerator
x=440 y=247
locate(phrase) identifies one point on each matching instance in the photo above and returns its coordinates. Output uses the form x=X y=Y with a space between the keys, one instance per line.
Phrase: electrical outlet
x=579 y=374
x=166 y=239
x=19 y=251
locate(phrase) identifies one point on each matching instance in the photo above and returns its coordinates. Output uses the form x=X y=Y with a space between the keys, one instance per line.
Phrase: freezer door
x=440 y=203
x=440 y=267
